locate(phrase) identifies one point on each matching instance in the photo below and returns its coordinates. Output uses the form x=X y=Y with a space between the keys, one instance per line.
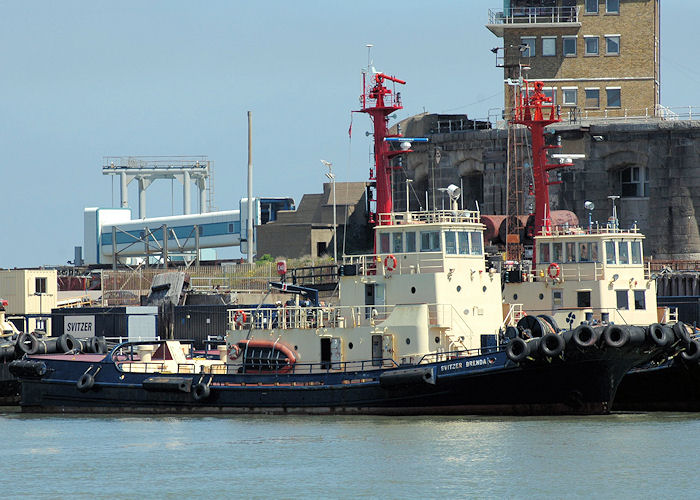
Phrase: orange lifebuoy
x=239 y=318
x=390 y=263
x=553 y=270
x=234 y=352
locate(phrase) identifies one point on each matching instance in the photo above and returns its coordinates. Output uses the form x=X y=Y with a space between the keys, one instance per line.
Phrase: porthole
x=484 y=289
x=413 y=289
x=408 y=341
x=541 y=296
x=437 y=340
x=296 y=347
x=515 y=296
x=350 y=345
x=459 y=288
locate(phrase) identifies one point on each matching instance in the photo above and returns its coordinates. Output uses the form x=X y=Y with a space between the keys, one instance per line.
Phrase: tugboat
x=416 y=331
x=596 y=278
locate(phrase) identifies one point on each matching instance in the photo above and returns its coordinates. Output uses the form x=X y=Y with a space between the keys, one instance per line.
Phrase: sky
x=82 y=80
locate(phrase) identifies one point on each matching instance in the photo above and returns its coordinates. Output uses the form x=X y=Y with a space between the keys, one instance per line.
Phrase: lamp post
x=331 y=177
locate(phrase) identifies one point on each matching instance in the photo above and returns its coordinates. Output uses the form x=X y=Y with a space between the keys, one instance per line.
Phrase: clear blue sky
x=81 y=80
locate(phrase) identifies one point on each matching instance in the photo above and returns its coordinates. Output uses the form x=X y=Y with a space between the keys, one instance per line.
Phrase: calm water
x=621 y=456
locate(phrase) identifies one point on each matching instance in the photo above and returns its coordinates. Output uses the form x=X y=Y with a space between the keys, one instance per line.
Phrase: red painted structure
x=535 y=113
x=379 y=102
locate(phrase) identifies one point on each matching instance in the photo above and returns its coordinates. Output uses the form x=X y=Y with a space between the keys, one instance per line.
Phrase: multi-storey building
x=598 y=58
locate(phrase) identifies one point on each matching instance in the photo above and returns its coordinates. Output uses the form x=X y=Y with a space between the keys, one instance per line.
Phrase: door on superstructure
x=369 y=299
x=377 y=350
x=331 y=353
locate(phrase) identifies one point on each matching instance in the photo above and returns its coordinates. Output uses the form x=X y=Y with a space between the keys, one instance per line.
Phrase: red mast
x=533 y=112
x=379 y=102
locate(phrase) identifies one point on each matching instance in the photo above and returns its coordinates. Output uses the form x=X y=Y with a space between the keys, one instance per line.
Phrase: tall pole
x=250 y=188
x=331 y=177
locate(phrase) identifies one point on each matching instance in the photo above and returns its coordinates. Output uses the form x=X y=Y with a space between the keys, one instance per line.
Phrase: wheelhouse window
x=477 y=247
x=570 y=251
x=544 y=252
x=430 y=241
x=636 y=247
x=549 y=46
x=557 y=252
x=623 y=252
x=397 y=242
x=612 y=45
x=622 y=299
x=593 y=247
x=569 y=46
x=410 y=242
x=640 y=302
x=584 y=252
x=384 y=243
x=610 y=255
x=463 y=242
x=583 y=298
x=634 y=182
x=450 y=242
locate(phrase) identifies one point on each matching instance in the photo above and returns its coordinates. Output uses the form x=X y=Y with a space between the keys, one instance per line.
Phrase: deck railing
x=534 y=15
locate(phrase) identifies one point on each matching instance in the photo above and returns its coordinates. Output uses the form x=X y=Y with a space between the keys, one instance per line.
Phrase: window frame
x=410 y=241
x=607 y=97
x=531 y=47
x=608 y=38
x=564 y=101
x=587 y=3
x=434 y=237
x=40 y=285
x=607 y=7
x=637 y=186
x=640 y=300
x=620 y=305
x=564 y=39
x=397 y=237
x=586 y=39
x=554 y=45
x=586 y=103
x=451 y=246
x=581 y=294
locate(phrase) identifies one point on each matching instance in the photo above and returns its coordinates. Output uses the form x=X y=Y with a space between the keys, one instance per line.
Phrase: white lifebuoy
x=390 y=263
x=239 y=318
x=553 y=270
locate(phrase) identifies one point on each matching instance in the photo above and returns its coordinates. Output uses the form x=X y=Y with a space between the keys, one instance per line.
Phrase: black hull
x=673 y=386
x=584 y=383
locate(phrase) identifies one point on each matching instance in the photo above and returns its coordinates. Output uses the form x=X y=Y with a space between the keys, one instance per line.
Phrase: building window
x=591 y=45
x=634 y=182
x=41 y=325
x=397 y=242
x=230 y=227
x=450 y=242
x=39 y=285
x=591 y=6
x=612 y=45
x=550 y=92
x=569 y=96
x=529 y=41
x=613 y=97
x=639 y=300
x=593 y=98
x=549 y=46
x=622 y=300
x=569 y=46
x=430 y=241
x=410 y=242
x=583 y=298
x=636 y=252
x=612 y=6
x=610 y=256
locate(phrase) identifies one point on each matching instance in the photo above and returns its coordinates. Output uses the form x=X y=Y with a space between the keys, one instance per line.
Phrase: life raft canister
x=553 y=270
x=234 y=352
x=390 y=263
